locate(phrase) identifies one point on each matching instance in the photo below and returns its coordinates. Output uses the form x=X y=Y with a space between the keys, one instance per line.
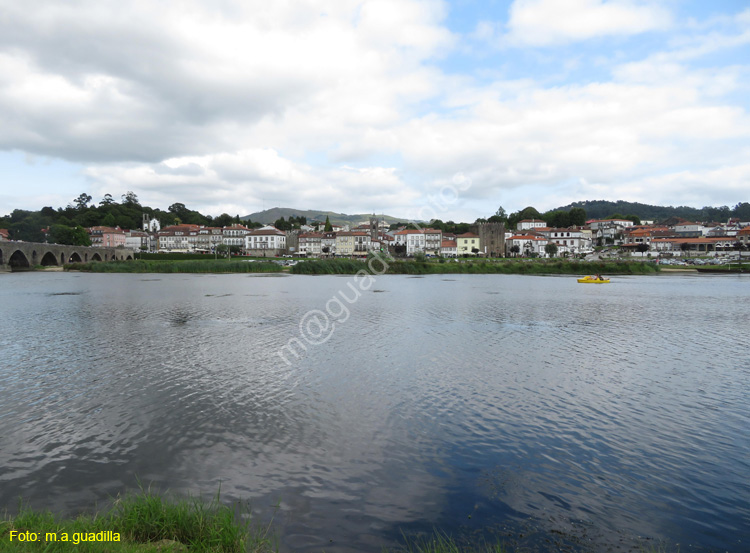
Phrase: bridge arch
x=18 y=261
x=75 y=258
x=96 y=257
x=49 y=259
x=129 y=258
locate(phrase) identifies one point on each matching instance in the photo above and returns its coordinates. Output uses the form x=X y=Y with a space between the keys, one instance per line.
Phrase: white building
x=530 y=224
x=690 y=230
x=419 y=240
x=328 y=244
x=267 y=241
x=151 y=225
x=568 y=240
x=310 y=244
x=448 y=248
x=137 y=240
x=234 y=235
x=412 y=239
x=528 y=244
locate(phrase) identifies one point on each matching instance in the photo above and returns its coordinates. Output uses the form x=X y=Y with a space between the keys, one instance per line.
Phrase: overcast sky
x=418 y=109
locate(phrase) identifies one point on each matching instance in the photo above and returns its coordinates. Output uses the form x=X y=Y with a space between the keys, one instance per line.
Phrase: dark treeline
x=601 y=209
x=67 y=225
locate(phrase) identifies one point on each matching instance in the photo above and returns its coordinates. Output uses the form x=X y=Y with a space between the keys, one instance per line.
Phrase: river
x=535 y=410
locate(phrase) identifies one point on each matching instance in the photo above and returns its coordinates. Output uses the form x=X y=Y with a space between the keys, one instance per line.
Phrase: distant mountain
x=268 y=216
x=599 y=209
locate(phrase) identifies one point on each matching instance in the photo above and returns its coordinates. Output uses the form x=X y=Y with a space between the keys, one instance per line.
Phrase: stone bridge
x=23 y=256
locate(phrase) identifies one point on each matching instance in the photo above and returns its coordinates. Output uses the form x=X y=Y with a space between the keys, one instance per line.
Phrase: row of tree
x=67 y=225
x=600 y=209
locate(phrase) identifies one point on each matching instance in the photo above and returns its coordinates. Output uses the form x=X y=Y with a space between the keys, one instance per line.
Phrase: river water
x=535 y=410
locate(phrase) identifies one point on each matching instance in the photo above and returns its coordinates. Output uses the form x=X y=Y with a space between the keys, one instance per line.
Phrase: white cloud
x=248 y=180
x=340 y=105
x=153 y=80
x=548 y=22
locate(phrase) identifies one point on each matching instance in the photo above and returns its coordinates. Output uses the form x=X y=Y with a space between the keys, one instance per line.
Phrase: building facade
x=266 y=242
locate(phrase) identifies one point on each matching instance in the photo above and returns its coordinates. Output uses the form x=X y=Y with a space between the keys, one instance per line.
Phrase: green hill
x=599 y=209
x=270 y=215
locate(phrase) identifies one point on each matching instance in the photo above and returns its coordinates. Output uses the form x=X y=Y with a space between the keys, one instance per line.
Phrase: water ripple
x=535 y=405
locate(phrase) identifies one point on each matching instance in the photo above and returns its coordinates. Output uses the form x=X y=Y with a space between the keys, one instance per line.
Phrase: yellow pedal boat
x=593 y=280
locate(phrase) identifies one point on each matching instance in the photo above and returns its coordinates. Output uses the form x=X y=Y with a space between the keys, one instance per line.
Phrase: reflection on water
x=530 y=408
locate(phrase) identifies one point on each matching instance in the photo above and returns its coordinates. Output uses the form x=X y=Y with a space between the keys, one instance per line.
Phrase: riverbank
x=149 y=523
x=142 y=523
x=375 y=266
x=499 y=266
x=200 y=266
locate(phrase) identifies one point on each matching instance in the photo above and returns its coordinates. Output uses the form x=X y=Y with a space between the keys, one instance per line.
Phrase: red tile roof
x=266 y=232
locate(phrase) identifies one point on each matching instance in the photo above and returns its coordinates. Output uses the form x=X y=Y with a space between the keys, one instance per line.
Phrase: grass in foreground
x=145 y=523
x=441 y=543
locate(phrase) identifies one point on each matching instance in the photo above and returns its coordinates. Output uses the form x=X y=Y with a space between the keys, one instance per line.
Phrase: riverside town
x=529 y=238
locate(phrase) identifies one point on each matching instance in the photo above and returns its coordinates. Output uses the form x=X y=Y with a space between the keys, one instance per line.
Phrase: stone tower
x=373 y=228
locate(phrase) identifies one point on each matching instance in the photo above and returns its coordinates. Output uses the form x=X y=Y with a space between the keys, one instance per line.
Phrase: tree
x=61 y=234
x=109 y=220
x=551 y=249
x=577 y=216
x=515 y=249
x=107 y=200
x=557 y=219
x=684 y=247
x=526 y=213
x=636 y=220
x=82 y=201
x=616 y=216
x=328 y=226
x=282 y=224
x=742 y=211
x=223 y=220
x=643 y=247
x=129 y=198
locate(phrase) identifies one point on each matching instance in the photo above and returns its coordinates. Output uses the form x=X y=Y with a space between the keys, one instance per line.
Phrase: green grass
x=493 y=266
x=441 y=543
x=201 y=266
x=143 y=522
x=726 y=267
x=173 y=256
x=330 y=267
